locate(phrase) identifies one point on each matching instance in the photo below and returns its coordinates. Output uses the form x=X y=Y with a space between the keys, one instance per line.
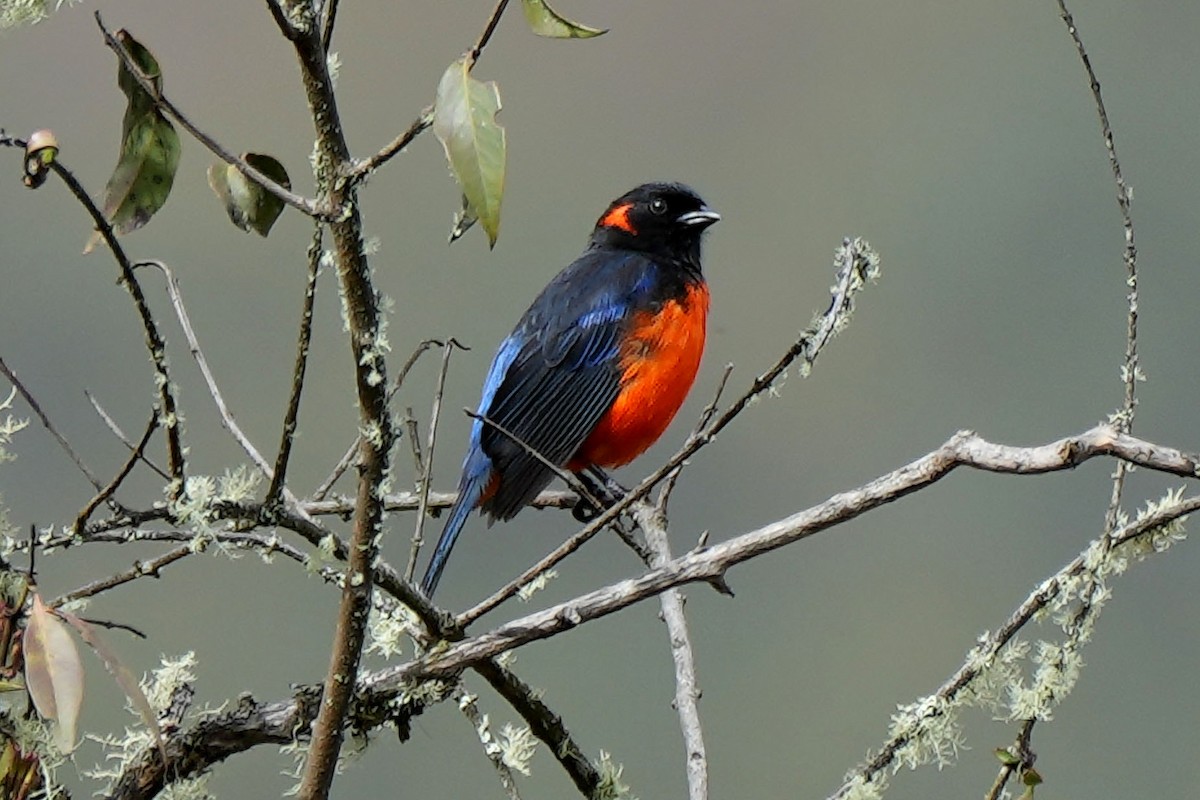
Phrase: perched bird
x=597 y=367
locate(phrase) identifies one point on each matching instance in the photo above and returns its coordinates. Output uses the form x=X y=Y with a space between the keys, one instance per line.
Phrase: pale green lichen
x=26 y=12
x=517 y=746
x=388 y=632
x=159 y=687
x=610 y=786
x=1018 y=680
x=537 y=584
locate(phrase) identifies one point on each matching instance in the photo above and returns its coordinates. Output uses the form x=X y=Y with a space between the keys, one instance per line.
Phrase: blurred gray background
x=961 y=139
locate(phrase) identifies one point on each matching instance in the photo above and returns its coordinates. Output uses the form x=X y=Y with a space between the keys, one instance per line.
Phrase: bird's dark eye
x=658 y=206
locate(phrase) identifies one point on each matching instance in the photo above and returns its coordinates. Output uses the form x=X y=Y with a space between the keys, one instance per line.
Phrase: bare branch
x=185 y=322
x=216 y=739
x=1131 y=368
x=410 y=501
x=361 y=300
x=331 y=9
x=140 y=569
x=303 y=340
x=426 y=465
x=365 y=167
x=36 y=407
x=687 y=691
x=120 y=434
x=107 y=492
x=348 y=458
x=545 y=724
x=964 y=449
x=154 y=341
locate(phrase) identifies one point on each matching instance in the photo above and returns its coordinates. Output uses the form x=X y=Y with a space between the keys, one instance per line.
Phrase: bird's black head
x=662 y=219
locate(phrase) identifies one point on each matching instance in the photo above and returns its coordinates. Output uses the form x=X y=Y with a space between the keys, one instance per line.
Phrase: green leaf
x=53 y=672
x=545 y=21
x=249 y=206
x=1007 y=757
x=464 y=121
x=149 y=158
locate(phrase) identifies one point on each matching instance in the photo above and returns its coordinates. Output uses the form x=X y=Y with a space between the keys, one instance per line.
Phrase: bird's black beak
x=700 y=219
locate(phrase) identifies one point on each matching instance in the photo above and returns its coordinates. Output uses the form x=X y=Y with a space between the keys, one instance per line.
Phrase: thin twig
x=365 y=167
x=411 y=501
x=348 y=457
x=36 y=407
x=427 y=463
x=563 y=474
x=424 y=120
x=107 y=492
x=289 y=197
x=477 y=49
x=140 y=569
x=331 y=9
x=1022 y=759
x=1131 y=368
x=185 y=322
x=120 y=434
x=706 y=416
x=155 y=343
x=303 y=341
x=412 y=430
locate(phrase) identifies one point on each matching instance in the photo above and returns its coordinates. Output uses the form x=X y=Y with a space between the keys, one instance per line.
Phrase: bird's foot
x=603 y=488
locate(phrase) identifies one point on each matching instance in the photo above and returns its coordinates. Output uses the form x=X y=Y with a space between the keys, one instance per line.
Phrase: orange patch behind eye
x=618 y=218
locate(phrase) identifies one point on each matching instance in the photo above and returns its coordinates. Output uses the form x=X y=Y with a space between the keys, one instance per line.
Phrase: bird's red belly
x=659 y=361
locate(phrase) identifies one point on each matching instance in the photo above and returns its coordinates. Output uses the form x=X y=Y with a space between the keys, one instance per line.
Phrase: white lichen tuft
x=610 y=786
x=239 y=485
x=333 y=64
x=526 y=592
x=161 y=684
x=26 y=12
x=858 y=787
x=159 y=687
x=188 y=789
x=517 y=746
x=387 y=632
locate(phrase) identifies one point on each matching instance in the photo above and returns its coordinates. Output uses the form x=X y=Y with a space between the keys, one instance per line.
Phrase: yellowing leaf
x=53 y=672
x=249 y=206
x=545 y=21
x=464 y=121
x=123 y=676
x=149 y=158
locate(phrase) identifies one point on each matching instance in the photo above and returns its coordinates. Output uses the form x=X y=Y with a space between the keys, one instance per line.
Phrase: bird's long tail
x=475 y=479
